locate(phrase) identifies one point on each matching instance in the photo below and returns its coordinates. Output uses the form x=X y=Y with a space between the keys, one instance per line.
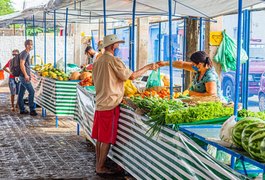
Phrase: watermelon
x=254 y=144
x=262 y=148
x=239 y=127
x=248 y=130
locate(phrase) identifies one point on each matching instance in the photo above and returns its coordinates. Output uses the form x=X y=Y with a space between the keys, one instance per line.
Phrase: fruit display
x=254 y=144
x=49 y=71
x=129 y=88
x=85 y=75
x=248 y=131
x=239 y=127
x=74 y=76
x=86 y=79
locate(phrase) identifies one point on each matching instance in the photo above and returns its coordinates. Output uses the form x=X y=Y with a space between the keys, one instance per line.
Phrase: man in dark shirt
x=25 y=80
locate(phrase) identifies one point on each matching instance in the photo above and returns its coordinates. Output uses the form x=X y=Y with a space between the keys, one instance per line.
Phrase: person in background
x=12 y=81
x=91 y=54
x=25 y=80
x=109 y=74
x=205 y=81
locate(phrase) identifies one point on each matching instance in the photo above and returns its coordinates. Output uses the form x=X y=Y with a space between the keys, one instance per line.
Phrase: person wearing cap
x=12 y=81
x=109 y=74
x=205 y=81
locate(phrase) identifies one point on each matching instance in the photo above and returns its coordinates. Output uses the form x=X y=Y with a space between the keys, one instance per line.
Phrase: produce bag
x=227 y=54
x=154 y=79
x=226 y=130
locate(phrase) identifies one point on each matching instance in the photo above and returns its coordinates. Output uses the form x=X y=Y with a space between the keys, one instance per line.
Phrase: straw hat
x=111 y=39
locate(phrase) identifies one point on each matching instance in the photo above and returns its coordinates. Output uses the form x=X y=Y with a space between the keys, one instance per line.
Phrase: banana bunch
x=129 y=88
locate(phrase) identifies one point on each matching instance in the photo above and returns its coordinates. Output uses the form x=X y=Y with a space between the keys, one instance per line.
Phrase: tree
x=6 y=7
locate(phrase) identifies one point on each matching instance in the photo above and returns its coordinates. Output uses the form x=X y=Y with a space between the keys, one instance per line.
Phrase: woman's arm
x=211 y=90
x=178 y=64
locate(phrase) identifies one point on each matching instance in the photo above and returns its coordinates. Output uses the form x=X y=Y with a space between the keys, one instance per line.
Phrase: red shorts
x=105 y=125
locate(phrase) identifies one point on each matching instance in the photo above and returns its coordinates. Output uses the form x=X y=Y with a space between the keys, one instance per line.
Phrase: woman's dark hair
x=201 y=57
x=88 y=48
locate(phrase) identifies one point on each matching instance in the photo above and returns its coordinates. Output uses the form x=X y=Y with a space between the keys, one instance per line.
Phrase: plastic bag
x=154 y=79
x=227 y=54
x=226 y=130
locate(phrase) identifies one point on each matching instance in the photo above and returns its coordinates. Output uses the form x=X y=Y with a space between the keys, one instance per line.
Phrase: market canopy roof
x=87 y=11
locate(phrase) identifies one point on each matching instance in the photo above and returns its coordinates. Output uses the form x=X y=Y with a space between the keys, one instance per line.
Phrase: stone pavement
x=32 y=148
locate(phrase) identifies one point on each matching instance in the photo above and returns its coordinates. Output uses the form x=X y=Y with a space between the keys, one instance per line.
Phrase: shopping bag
x=154 y=79
x=227 y=54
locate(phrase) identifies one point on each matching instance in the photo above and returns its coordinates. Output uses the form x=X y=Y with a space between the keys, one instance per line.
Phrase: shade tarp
x=89 y=11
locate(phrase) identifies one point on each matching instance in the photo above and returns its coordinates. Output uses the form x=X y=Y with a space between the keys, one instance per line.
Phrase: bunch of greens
x=202 y=111
x=157 y=110
x=248 y=113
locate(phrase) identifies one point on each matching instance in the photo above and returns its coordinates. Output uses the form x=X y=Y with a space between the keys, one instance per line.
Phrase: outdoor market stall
x=133 y=124
x=170 y=155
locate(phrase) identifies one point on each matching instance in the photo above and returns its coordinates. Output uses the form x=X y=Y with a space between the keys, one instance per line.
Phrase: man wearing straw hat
x=109 y=75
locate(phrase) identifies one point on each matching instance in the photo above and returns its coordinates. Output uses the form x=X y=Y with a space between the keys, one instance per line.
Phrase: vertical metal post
x=233 y=161
x=201 y=34
x=133 y=34
x=245 y=66
x=78 y=129
x=54 y=38
x=159 y=41
x=170 y=47
x=184 y=50
x=130 y=47
x=45 y=38
x=34 y=39
x=238 y=55
x=25 y=28
x=65 y=39
x=105 y=19
x=44 y=52
x=56 y=121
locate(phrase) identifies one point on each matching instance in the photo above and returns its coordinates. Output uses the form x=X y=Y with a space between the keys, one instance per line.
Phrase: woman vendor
x=205 y=81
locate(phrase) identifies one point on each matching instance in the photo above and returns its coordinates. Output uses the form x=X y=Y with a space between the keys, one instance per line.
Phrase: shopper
x=109 y=75
x=25 y=80
x=12 y=81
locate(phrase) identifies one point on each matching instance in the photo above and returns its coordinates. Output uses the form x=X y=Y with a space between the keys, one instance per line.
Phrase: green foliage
x=163 y=111
x=248 y=113
x=6 y=7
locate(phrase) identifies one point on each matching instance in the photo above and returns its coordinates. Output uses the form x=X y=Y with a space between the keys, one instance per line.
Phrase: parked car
x=262 y=93
x=256 y=68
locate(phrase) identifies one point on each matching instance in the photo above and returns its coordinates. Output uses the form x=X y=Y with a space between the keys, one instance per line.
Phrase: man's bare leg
x=104 y=150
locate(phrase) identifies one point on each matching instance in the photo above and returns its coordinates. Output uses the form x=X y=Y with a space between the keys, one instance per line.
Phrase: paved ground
x=32 y=148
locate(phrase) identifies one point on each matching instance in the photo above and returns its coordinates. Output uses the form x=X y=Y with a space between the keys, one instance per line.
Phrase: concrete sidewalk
x=32 y=148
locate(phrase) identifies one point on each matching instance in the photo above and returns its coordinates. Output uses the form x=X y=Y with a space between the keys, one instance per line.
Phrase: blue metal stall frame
x=201 y=35
x=54 y=38
x=184 y=50
x=238 y=56
x=170 y=47
x=34 y=39
x=43 y=114
x=105 y=17
x=245 y=66
x=234 y=155
x=133 y=36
